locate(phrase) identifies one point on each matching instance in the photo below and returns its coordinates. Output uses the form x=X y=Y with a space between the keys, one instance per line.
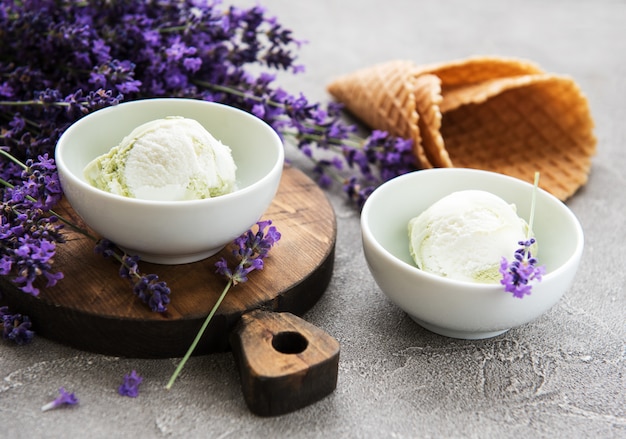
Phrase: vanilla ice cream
x=464 y=236
x=167 y=159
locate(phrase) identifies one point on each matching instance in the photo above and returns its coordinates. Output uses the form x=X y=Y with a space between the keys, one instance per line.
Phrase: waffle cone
x=496 y=114
x=517 y=126
x=383 y=97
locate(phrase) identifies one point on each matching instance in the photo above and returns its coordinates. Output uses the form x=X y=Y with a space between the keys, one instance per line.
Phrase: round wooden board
x=94 y=309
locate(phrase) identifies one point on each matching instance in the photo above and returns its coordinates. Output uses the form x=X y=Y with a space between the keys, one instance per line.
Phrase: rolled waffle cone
x=495 y=114
x=383 y=97
x=522 y=125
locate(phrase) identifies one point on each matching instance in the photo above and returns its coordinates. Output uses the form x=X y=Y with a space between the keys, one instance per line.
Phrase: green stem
x=32 y=102
x=13 y=159
x=235 y=92
x=532 y=205
x=74 y=226
x=198 y=336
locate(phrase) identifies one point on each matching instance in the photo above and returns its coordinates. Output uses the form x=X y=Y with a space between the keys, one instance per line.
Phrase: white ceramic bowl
x=172 y=232
x=456 y=308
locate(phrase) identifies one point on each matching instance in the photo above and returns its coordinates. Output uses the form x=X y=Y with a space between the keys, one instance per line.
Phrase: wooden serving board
x=94 y=309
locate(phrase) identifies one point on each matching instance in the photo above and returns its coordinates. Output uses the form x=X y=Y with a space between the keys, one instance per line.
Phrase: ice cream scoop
x=464 y=236
x=168 y=159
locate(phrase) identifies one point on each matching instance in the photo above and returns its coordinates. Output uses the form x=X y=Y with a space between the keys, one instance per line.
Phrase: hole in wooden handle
x=285 y=363
x=289 y=342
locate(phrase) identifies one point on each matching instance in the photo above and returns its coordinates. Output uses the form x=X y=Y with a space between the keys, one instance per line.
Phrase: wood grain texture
x=285 y=363
x=94 y=309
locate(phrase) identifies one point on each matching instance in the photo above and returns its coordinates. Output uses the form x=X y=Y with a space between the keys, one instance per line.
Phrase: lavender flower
x=517 y=274
x=133 y=50
x=15 y=327
x=146 y=287
x=29 y=236
x=119 y=51
x=130 y=386
x=39 y=184
x=251 y=249
x=64 y=398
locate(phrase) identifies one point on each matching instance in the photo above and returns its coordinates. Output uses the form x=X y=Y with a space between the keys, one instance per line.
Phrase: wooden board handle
x=285 y=363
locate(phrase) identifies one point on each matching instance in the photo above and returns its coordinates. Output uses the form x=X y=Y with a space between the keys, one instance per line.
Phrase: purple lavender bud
x=517 y=274
x=130 y=385
x=251 y=249
x=64 y=398
x=15 y=327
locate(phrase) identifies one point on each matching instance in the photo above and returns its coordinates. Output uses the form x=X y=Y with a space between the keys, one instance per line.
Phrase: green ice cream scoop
x=465 y=235
x=168 y=159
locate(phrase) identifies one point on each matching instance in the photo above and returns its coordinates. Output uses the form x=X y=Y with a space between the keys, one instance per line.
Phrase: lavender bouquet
x=61 y=60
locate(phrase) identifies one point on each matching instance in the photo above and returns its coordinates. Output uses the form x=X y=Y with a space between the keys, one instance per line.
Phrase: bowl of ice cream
x=171 y=180
x=429 y=256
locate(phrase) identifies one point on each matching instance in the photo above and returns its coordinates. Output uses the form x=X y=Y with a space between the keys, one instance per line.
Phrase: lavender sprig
x=61 y=61
x=518 y=274
x=15 y=327
x=252 y=249
x=133 y=50
x=146 y=287
x=64 y=399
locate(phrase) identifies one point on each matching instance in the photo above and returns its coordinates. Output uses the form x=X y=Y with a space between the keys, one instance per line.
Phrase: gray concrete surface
x=560 y=376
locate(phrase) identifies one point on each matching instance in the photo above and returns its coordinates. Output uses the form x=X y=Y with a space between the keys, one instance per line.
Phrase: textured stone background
x=560 y=376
